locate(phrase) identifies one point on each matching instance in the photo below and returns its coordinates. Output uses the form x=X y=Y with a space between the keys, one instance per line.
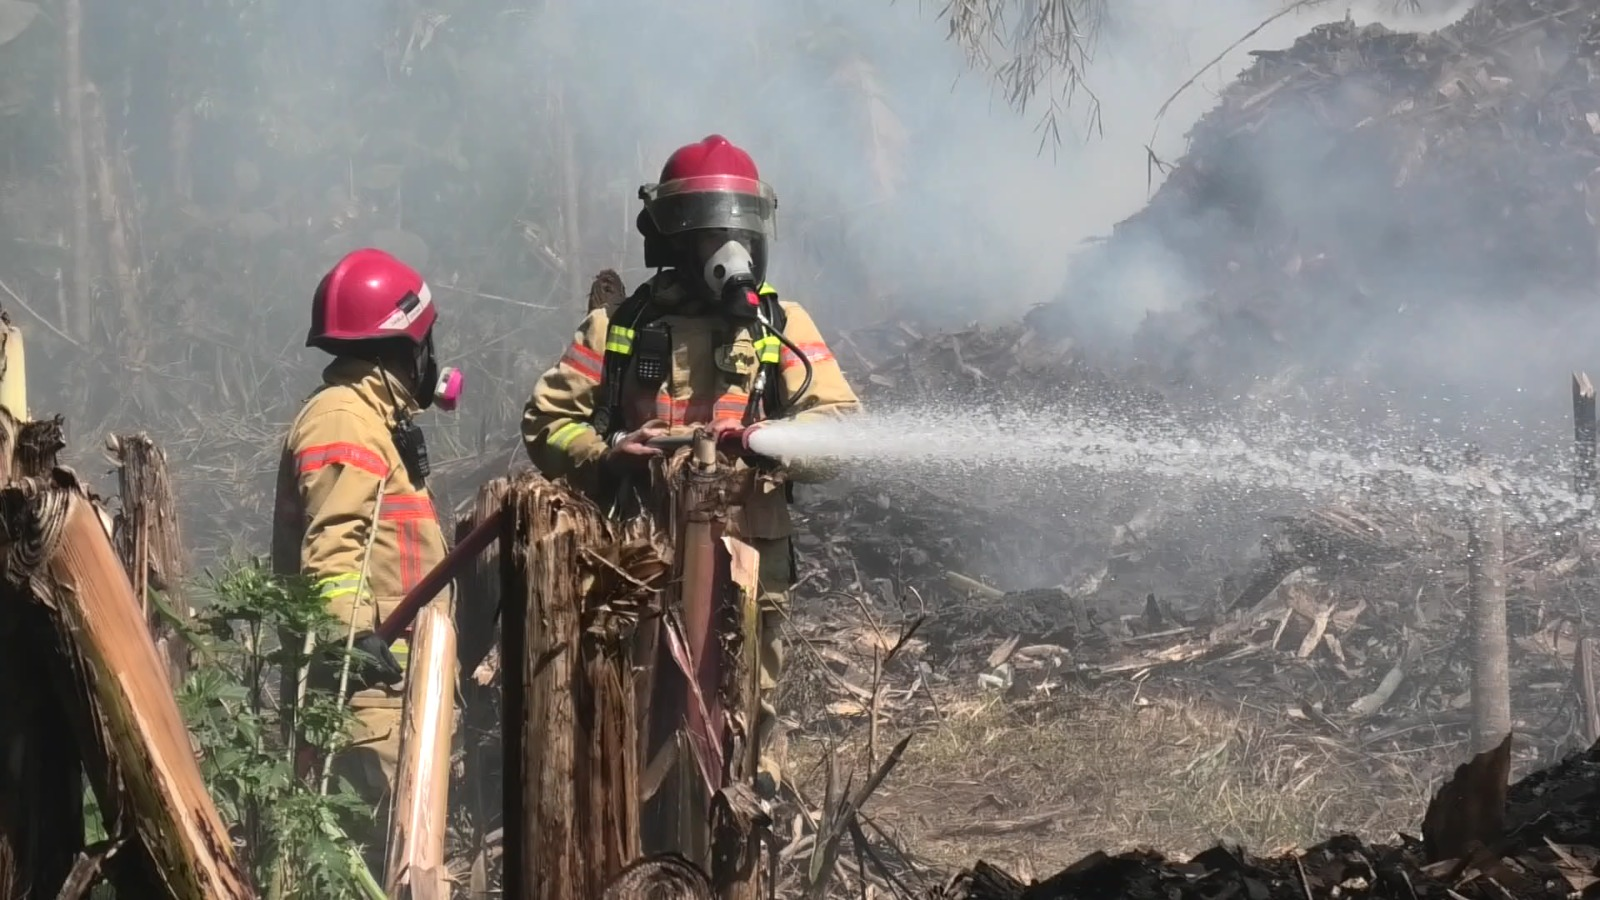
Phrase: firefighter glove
x=373 y=664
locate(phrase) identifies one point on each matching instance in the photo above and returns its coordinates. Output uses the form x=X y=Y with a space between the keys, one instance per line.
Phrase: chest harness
x=637 y=332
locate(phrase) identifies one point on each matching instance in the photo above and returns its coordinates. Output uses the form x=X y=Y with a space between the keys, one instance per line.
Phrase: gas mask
x=436 y=385
x=730 y=273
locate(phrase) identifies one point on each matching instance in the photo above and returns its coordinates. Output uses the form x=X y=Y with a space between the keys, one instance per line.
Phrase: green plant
x=243 y=713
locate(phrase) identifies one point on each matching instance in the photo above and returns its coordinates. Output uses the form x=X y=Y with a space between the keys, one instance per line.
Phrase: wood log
x=575 y=585
x=477 y=645
x=149 y=540
x=422 y=780
x=1583 y=435
x=553 y=858
x=41 y=769
x=121 y=706
x=1586 y=681
x=514 y=615
x=41 y=772
x=478 y=588
x=1491 y=666
x=736 y=818
x=13 y=370
x=666 y=876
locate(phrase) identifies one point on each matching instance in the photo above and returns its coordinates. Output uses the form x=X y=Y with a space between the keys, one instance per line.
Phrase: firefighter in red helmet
x=352 y=486
x=706 y=341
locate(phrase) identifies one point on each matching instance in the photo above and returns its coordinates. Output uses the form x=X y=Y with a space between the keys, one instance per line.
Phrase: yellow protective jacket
x=714 y=363
x=338 y=450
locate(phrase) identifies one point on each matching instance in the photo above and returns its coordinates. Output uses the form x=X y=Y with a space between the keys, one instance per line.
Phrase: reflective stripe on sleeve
x=816 y=352
x=585 y=361
x=338 y=586
x=563 y=437
x=340 y=452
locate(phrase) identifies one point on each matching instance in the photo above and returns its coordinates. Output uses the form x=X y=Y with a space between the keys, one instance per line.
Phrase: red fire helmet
x=370 y=295
x=711 y=184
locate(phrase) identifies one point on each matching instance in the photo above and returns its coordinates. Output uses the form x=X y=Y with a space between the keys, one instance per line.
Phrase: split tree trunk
x=150 y=543
x=481 y=679
x=41 y=770
x=120 y=704
x=422 y=782
x=574 y=586
x=1583 y=435
x=1491 y=668
x=737 y=818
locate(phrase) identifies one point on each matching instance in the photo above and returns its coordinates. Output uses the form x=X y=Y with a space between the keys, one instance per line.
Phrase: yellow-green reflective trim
x=337 y=586
x=563 y=437
x=768 y=349
x=619 y=340
x=767 y=290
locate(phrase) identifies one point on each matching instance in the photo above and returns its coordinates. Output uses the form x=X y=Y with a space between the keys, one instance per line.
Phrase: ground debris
x=1547 y=846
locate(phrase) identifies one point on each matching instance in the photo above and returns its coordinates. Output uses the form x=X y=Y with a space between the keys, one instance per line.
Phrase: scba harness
x=636 y=332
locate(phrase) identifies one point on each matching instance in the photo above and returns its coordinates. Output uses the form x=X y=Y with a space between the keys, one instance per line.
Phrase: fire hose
x=483 y=534
x=464 y=552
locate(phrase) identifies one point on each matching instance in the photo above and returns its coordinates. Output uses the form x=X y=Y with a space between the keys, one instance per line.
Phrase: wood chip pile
x=1363 y=180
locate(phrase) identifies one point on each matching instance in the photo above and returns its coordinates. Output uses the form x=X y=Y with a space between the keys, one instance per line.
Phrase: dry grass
x=1033 y=786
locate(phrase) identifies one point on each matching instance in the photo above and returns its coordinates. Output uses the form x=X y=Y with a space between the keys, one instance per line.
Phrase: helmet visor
x=687 y=204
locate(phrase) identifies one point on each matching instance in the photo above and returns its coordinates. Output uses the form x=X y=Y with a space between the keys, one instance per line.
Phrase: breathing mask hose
x=805 y=383
x=730 y=273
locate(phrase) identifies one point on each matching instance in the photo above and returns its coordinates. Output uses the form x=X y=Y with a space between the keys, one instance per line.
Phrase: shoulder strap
x=770 y=351
x=633 y=312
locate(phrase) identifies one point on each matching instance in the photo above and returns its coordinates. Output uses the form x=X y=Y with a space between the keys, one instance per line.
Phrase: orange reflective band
x=700 y=410
x=816 y=352
x=731 y=406
x=584 y=361
x=416 y=506
x=340 y=453
x=409 y=543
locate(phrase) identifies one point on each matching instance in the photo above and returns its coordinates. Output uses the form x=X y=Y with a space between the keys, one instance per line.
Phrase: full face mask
x=730 y=273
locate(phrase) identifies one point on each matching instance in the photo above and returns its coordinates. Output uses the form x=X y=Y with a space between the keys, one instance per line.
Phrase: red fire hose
x=440 y=575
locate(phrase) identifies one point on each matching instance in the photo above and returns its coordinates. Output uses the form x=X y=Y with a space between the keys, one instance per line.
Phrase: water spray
x=965 y=450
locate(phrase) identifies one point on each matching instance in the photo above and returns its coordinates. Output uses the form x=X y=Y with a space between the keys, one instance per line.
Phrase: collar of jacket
x=368 y=379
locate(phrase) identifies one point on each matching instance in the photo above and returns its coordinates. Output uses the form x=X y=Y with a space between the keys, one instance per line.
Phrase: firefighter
x=356 y=437
x=687 y=349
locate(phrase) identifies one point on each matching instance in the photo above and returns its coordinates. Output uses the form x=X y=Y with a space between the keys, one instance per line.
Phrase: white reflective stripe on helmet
x=401 y=318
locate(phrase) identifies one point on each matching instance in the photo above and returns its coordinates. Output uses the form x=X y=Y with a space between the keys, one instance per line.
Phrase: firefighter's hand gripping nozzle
x=730 y=273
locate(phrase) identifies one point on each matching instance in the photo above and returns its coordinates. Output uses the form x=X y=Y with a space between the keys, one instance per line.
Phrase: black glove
x=373 y=664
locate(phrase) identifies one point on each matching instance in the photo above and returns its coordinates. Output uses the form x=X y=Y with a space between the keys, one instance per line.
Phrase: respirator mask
x=730 y=273
x=436 y=386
